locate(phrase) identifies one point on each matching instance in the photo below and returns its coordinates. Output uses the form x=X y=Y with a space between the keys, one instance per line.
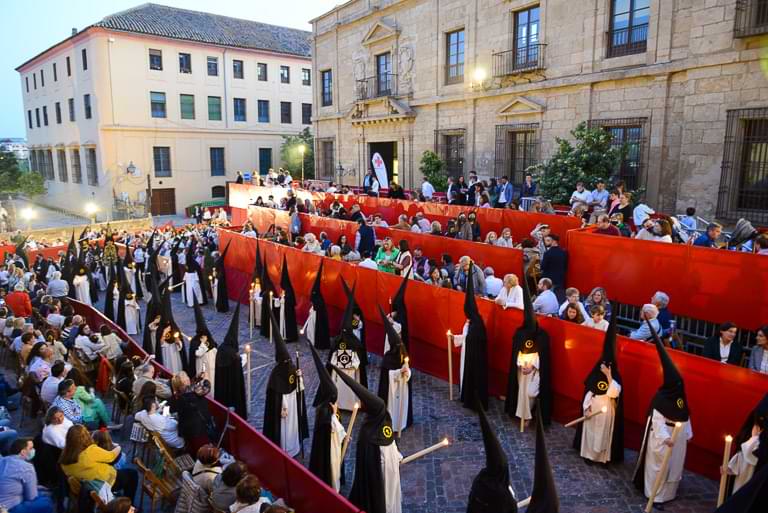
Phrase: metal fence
x=383 y=84
x=627 y=41
x=751 y=18
x=519 y=60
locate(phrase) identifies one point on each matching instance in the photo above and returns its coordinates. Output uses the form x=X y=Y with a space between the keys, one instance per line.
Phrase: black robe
x=541 y=344
x=222 y=294
x=322 y=328
x=266 y=305
x=368 y=488
x=278 y=386
x=230 y=384
x=175 y=268
x=291 y=328
x=320 y=455
x=475 y=379
x=389 y=363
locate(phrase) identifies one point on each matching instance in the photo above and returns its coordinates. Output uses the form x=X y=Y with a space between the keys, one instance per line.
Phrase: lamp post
x=302 y=149
x=91 y=209
x=28 y=214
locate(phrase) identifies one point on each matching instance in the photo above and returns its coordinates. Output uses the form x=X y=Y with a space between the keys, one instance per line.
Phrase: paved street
x=440 y=482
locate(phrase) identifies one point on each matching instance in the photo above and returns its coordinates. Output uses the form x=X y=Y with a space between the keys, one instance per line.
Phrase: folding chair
x=153 y=487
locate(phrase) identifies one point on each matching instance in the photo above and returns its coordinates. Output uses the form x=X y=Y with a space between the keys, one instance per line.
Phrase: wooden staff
x=522 y=424
x=300 y=400
x=664 y=466
x=250 y=312
x=439 y=445
x=449 y=335
x=724 y=470
x=248 y=376
x=402 y=402
x=345 y=443
x=604 y=409
x=270 y=322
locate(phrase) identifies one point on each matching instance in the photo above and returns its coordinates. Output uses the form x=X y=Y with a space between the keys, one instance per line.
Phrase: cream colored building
x=490 y=84
x=182 y=97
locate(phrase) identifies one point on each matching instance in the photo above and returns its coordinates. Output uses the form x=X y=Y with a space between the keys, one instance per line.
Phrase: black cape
x=266 y=301
x=320 y=455
x=289 y=308
x=347 y=340
x=750 y=498
x=175 y=269
x=229 y=387
x=222 y=294
x=322 y=329
x=399 y=307
x=393 y=360
x=474 y=384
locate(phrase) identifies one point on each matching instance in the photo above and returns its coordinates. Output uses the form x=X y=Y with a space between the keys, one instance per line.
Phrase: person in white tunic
x=742 y=464
x=395 y=377
x=82 y=287
x=205 y=360
x=600 y=438
x=751 y=449
x=192 y=289
x=347 y=355
x=669 y=408
x=132 y=315
x=171 y=348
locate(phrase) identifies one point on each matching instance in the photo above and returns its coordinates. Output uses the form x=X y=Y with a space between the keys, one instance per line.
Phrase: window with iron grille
x=240 y=113
x=526 y=44
x=77 y=171
x=214 y=108
x=42 y=78
x=57 y=108
x=285 y=75
x=45 y=115
x=162 y=157
x=213 y=66
x=62 y=162
x=751 y=18
x=87 y=106
x=326 y=81
x=384 y=74
x=517 y=148
x=33 y=166
x=237 y=69
x=217 y=162
x=306 y=77
x=55 y=74
x=187 y=102
x=306 y=113
x=157 y=104
x=326 y=159
x=449 y=146
x=743 y=188
x=48 y=159
x=263 y=108
x=69 y=67
x=454 y=57
x=630 y=133
x=29 y=118
x=90 y=166
x=71 y=105
x=285 y=113
x=629 y=27
x=218 y=191
x=155 y=59
x=261 y=72
x=185 y=63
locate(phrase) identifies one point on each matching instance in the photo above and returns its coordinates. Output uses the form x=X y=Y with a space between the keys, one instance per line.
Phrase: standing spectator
x=386 y=256
x=540 y=232
x=758 y=358
x=239 y=178
x=57 y=288
x=427 y=189
x=505 y=193
x=580 y=196
x=367 y=262
x=493 y=284
x=505 y=241
x=649 y=313
x=554 y=264
x=193 y=414
x=371 y=184
x=604 y=226
x=18 y=481
x=705 y=240
x=724 y=347
x=18 y=301
x=529 y=187
x=625 y=207
x=511 y=293
x=598 y=199
x=461 y=276
x=365 y=238
x=546 y=302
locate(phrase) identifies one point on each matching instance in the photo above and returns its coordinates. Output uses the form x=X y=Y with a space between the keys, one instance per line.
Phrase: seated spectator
x=55 y=319
x=709 y=238
x=598 y=297
x=367 y=262
x=93 y=410
x=378 y=220
x=103 y=439
x=153 y=420
x=572 y=313
x=335 y=253
x=505 y=241
x=66 y=403
x=580 y=196
x=223 y=494
x=511 y=293
x=149 y=389
x=604 y=226
x=758 y=358
x=89 y=344
x=146 y=373
x=723 y=346
x=597 y=318
x=572 y=297
x=402 y=223
x=462 y=271
x=120 y=505
x=248 y=496
x=56 y=427
x=59 y=349
x=436 y=228
x=661 y=301
x=646 y=232
x=493 y=284
x=649 y=312
x=546 y=301
x=111 y=343
x=50 y=387
x=435 y=277
x=19 y=302
x=84 y=460
x=760 y=246
x=39 y=361
x=18 y=481
x=207 y=467
x=491 y=238
x=663 y=231
x=689 y=221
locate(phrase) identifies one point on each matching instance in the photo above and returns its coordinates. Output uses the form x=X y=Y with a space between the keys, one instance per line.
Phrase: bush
x=432 y=168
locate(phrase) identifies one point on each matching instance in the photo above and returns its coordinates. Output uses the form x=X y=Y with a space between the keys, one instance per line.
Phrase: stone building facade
x=490 y=84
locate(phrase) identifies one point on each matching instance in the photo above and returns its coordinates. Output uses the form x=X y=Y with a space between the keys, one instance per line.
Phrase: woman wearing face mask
x=474 y=225
x=491 y=238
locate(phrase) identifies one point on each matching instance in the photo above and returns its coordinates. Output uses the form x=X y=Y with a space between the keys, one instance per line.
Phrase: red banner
x=715 y=411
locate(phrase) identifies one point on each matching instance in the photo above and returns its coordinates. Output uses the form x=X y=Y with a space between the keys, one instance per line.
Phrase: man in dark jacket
x=722 y=346
x=365 y=239
x=554 y=264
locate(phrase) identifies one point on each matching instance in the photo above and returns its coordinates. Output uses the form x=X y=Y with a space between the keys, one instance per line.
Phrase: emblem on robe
x=343 y=346
x=602 y=386
x=387 y=431
x=680 y=403
x=528 y=344
x=345 y=359
x=291 y=379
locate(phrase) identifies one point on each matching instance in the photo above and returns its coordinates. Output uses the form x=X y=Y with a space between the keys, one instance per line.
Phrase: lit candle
x=443 y=443
x=724 y=470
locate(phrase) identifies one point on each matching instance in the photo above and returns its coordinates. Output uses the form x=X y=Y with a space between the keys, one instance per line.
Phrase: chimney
x=74 y=31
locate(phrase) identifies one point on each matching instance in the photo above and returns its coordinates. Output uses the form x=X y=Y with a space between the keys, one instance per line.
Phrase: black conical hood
x=123 y=292
x=496 y=462
x=72 y=246
x=398 y=301
x=346 y=319
x=596 y=382
x=316 y=292
x=529 y=320
x=285 y=279
x=201 y=327
x=377 y=427
x=326 y=390
x=281 y=349
x=232 y=338
x=258 y=266
x=109 y=297
x=544 y=496
x=395 y=356
x=670 y=399
x=128 y=258
x=166 y=312
x=470 y=305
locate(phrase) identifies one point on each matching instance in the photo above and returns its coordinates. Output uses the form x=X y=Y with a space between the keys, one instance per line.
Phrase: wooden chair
x=179 y=463
x=74 y=494
x=140 y=441
x=101 y=506
x=120 y=412
x=153 y=487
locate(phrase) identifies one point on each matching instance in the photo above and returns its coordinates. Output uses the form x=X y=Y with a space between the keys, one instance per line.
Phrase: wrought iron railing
x=383 y=84
x=519 y=60
x=751 y=18
x=627 y=41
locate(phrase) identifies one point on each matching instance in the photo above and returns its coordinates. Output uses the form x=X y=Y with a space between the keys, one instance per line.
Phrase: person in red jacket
x=18 y=301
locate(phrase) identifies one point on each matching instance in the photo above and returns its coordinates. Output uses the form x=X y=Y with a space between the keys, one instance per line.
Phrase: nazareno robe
x=320 y=329
x=759 y=455
x=230 y=383
x=222 y=295
x=474 y=379
x=288 y=318
x=283 y=389
x=528 y=342
x=390 y=377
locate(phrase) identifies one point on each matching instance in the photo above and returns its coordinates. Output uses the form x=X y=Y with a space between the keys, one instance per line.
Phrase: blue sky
x=31 y=26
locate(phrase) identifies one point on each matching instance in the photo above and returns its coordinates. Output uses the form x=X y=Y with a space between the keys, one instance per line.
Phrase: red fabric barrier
x=720 y=396
x=279 y=473
x=503 y=260
x=702 y=283
x=490 y=219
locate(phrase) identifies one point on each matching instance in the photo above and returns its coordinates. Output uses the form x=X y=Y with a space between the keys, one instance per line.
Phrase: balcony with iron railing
x=751 y=18
x=627 y=41
x=379 y=86
x=520 y=60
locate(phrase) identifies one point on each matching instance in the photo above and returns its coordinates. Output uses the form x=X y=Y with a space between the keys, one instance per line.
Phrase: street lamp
x=302 y=149
x=91 y=209
x=28 y=214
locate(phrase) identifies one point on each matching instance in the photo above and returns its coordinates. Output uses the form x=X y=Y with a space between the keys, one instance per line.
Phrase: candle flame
x=247 y=348
x=357 y=406
x=604 y=409
x=407 y=359
x=449 y=333
x=678 y=424
x=176 y=334
x=271 y=293
x=446 y=441
x=301 y=331
x=729 y=438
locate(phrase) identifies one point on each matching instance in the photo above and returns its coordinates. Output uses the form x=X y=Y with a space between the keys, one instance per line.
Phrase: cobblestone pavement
x=440 y=482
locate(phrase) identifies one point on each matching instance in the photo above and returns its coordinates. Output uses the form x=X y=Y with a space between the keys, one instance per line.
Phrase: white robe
x=82 y=289
x=171 y=357
x=309 y=326
x=397 y=400
x=358 y=332
x=337 y=437
x=743 y=462
x=654 y=455
x=132 y=310
x=346 y=397
x=192 y=289
x=597 y=432
x=130 y=276
x=399 y=329
x=390 y=469
x=459 y=341
x=289 y=426
x=527 y=384
x=98 y=278
x=215 y=290
x=206 y=362
x=279 y=302
x=256 y=312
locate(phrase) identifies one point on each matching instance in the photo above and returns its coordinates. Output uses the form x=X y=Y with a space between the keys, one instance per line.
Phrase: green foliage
x=291 y=156
x=13 y=180
x=432 y=168
x=590 y=159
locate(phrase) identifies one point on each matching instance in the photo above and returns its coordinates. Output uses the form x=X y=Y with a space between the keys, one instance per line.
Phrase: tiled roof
x=203 y=27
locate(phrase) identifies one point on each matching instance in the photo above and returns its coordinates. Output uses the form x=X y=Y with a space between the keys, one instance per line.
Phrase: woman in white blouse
x=56 y=427
x=511 y=294
x=166 y=427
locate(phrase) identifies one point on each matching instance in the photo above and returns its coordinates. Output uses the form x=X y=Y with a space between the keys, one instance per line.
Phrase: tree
x=431 y=168
x=592 y=158
x=291 y=155
x=13 y=180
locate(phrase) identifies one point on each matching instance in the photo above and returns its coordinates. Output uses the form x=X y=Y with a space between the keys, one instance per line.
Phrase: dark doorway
x=163 y=202
x=388 y=153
